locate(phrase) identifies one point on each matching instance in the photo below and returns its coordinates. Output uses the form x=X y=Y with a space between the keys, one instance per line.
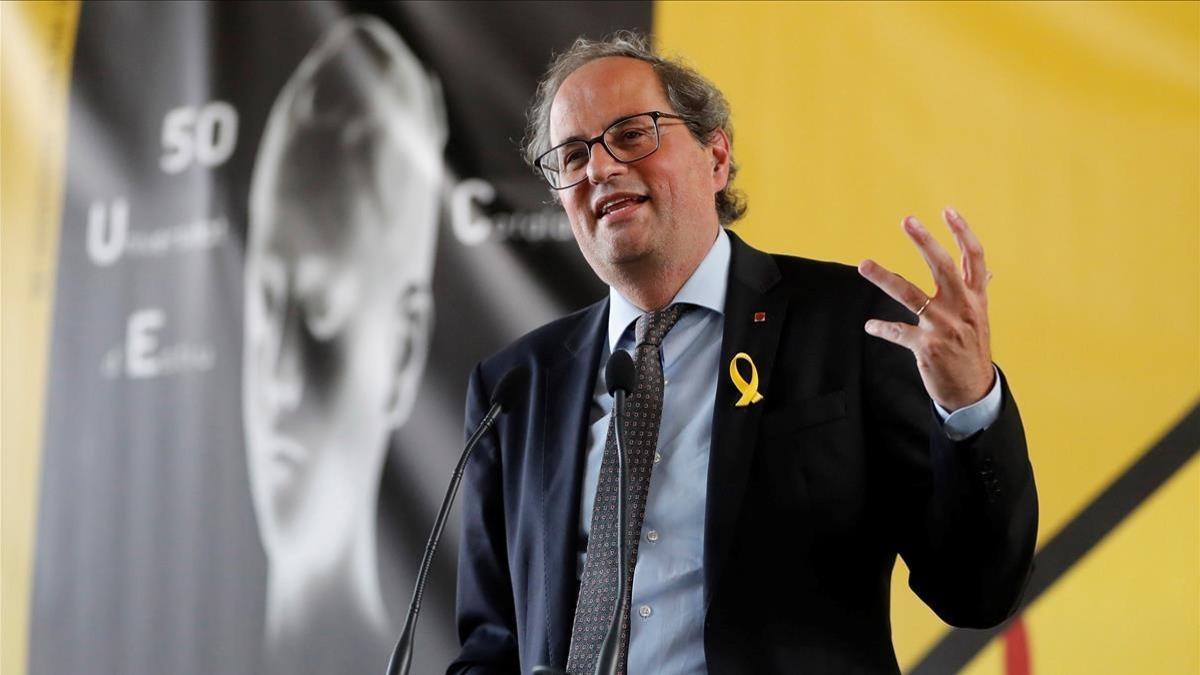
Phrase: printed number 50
x=206 y=135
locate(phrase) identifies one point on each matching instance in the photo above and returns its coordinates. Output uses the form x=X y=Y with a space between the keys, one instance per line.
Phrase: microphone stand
x=401 y=658
x=609 y=659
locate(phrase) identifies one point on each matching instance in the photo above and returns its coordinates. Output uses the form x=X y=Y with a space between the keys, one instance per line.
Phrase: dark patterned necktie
x=643 y=412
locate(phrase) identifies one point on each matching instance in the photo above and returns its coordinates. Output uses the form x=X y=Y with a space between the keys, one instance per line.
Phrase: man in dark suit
x=797 y=445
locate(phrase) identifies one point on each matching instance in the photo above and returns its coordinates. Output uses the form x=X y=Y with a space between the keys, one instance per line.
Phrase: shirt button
x=657 y=457
x=644 y=611
x=652 y=535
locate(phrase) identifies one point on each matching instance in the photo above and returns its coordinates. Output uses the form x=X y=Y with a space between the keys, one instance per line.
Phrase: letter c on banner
x=470 y=227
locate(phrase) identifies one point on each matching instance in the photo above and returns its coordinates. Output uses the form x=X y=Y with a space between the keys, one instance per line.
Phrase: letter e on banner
x=141 y=343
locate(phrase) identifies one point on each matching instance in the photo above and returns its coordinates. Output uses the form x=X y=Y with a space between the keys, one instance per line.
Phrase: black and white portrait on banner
x=338 y=318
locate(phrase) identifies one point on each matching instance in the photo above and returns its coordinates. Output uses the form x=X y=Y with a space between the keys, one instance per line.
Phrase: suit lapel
x=569 y=386
x=752 y=275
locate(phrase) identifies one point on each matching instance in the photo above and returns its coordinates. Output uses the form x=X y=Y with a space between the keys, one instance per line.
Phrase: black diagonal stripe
x=1079 y=536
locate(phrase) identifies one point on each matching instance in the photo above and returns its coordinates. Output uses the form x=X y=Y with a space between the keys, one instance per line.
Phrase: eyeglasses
x=627 y=140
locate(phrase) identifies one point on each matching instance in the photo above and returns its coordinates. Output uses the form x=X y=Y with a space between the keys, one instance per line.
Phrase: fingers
x=900 y=289
x=903 y=334
x=975 y=273
x=945 y=272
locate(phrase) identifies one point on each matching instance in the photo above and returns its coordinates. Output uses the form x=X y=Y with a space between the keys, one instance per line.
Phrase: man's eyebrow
x=581 y=137
x=572 y=137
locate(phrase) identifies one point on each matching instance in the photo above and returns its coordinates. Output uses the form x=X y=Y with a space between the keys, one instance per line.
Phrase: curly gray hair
x=698 y=100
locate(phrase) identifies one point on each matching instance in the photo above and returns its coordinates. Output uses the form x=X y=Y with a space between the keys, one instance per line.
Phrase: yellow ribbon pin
x=749 y=389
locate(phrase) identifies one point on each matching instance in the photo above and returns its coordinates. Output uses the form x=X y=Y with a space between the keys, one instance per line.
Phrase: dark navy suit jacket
x=811 y=493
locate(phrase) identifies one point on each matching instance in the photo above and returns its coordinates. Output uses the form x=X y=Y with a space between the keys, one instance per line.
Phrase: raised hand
x=951 y=339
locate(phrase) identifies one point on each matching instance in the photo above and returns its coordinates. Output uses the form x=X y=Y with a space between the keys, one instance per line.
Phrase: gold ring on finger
x=927 y=301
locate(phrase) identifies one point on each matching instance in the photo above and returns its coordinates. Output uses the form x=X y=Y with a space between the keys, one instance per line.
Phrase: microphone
x=505 y=396
x=620 y=377
x=510 y=389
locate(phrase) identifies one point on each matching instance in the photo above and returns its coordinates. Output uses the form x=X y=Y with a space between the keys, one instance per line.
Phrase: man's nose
x=602 y=166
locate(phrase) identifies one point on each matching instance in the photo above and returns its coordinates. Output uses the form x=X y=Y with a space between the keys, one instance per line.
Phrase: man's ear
x=412 y=329
x=718 y=150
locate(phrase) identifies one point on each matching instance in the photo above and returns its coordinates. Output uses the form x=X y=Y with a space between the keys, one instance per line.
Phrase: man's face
x=330 y=337
x=672 y=216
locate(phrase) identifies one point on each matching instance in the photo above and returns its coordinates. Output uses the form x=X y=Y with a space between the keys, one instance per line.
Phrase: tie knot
x=652 y=327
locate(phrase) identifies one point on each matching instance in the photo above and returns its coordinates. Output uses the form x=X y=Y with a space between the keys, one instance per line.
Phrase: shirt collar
x=705 y=288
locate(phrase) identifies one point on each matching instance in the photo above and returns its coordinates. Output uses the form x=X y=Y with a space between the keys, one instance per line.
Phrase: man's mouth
x=613 y=207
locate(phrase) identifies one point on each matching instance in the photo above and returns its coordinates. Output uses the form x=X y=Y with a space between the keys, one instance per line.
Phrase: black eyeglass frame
x=654 y=116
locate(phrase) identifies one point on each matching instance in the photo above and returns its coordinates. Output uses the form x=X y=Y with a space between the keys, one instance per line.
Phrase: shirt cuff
x=973 y=418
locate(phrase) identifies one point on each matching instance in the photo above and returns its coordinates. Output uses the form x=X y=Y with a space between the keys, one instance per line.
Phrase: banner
x=289 y=231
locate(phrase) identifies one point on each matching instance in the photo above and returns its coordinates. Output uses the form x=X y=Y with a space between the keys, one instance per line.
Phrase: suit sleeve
x=963 y=513
x=484 y=610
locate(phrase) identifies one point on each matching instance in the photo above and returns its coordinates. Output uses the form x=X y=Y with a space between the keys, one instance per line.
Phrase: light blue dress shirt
x=667 y=614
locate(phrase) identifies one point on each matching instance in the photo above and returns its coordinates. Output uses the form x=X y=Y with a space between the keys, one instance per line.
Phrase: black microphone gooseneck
x=620 y=377
x=507 y=393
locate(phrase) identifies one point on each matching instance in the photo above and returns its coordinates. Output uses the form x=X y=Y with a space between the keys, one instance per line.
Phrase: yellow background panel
x=36 y=43
x=1131 y=606
x=1067 y=134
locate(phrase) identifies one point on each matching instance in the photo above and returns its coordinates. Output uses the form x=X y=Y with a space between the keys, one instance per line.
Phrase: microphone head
x=511 y=388
x=619 y=373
